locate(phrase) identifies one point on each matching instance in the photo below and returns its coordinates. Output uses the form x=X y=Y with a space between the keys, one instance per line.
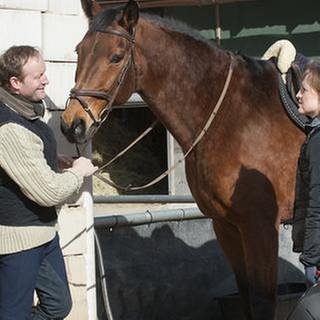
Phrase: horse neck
x=179 y=77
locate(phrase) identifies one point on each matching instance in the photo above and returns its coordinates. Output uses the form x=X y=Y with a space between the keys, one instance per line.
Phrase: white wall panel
x=61 y=78
x=65 y=7
x=41 y=5
x=20 y=27
x=61 y=33
x=177 y=178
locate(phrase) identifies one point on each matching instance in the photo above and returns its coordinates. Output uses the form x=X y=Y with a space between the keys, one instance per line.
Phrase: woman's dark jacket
x=306 y=221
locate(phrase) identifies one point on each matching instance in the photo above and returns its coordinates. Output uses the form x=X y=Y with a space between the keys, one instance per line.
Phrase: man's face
x=34 y=80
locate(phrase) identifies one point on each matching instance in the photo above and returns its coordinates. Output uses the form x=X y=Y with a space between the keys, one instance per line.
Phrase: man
x=30 y=187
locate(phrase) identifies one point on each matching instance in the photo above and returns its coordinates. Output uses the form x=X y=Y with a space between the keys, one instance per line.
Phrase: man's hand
x=64 y=162
x=84 y=166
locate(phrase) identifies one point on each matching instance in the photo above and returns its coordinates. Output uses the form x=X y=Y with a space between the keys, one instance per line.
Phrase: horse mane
x=104 y=19
x=256 y=66
x=174 y=25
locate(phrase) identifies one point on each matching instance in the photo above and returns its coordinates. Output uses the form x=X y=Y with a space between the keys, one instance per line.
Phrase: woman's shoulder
x=315 y=134
x=313 y=143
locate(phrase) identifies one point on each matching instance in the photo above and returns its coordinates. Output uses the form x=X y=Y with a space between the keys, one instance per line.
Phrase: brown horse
x=242 y=172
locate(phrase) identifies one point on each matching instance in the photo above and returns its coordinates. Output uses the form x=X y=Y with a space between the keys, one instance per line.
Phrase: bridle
x=111 y=94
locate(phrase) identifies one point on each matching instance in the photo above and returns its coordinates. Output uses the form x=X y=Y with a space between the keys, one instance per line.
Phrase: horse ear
x=130 y=15
x=90 y=8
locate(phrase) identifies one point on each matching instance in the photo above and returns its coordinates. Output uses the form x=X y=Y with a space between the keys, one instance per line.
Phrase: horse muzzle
x=76 y=132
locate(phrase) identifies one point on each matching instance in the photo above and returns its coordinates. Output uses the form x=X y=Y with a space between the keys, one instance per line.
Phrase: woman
x=306 y=226
x=306 y=222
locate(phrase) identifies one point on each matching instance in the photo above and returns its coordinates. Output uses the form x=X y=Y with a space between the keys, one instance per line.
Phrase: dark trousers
x=41 y=269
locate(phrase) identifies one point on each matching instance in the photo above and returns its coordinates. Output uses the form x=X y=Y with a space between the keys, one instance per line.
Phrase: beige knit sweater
x=22 y=158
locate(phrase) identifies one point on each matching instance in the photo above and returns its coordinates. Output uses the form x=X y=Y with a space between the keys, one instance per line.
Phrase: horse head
x=105 y=72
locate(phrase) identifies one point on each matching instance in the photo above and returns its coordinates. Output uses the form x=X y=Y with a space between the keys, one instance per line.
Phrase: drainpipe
x=147 y=217
x=144 y=199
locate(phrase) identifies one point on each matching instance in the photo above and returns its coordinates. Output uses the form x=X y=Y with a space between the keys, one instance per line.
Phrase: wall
x=253 y=25
x=55 y=26
x=176 y=270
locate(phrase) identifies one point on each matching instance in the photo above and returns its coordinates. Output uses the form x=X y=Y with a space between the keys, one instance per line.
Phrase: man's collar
x=27 y=109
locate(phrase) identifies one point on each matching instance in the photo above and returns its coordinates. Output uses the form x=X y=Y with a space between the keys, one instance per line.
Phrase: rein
x=193 y=145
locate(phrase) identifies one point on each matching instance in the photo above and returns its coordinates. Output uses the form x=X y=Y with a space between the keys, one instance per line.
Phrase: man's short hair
x=12 y=62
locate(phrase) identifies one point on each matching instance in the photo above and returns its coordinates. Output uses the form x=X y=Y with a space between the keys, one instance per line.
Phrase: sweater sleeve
x=311 y=251
x=22 y=158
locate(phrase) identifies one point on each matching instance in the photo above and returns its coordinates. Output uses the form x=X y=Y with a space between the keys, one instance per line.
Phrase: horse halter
x=109 y=98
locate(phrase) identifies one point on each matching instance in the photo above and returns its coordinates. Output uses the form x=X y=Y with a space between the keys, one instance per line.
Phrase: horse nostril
x=78 y=128
x=75 y=131
x=63 y=126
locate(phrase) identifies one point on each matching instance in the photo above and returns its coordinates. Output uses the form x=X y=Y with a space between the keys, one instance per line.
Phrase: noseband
x=108 y=97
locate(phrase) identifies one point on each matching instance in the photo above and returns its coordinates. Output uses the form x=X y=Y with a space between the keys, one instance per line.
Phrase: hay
x=139 y=165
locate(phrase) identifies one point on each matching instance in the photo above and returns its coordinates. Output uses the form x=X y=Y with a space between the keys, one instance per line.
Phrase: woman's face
x=308 y=98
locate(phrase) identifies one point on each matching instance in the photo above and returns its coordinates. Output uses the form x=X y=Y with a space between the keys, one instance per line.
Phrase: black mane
x=105 y=18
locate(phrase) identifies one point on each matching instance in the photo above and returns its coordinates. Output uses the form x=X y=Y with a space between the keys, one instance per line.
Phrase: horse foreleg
x=260 y=245
x=252 y=252
x=230 y=241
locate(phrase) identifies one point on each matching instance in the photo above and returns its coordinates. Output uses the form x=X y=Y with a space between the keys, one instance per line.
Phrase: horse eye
x=116 y=58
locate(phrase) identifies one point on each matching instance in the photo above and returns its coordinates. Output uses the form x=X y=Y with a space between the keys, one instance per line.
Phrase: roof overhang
x=170 y=3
